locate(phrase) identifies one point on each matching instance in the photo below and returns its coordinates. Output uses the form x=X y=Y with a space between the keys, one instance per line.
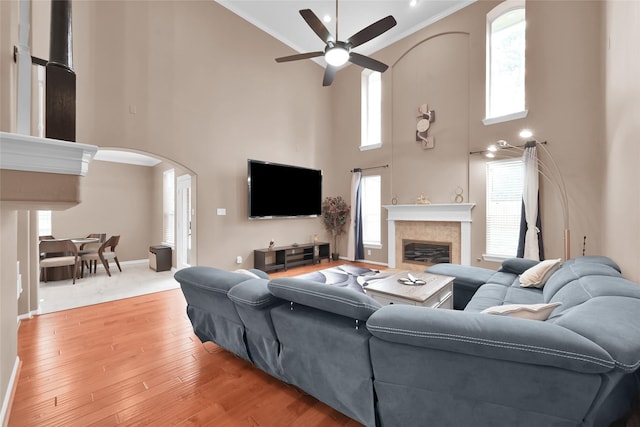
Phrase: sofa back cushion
x=583 y=289
x=595 y=259
x=334 y=299
x=611 y=321
x=574 y=271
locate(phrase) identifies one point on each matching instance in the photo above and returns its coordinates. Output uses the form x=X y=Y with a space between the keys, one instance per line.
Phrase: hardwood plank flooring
x=136 y=362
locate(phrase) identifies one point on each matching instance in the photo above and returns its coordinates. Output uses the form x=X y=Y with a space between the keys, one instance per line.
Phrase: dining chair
x=87 y=248
x=58 y=253
x=106 y=252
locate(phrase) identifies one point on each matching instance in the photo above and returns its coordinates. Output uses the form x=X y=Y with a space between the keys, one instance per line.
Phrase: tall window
x=44 y=223
x=371 y=206
x=371 y=110
x=168 y=207
x=506 y=60
x=504 y=203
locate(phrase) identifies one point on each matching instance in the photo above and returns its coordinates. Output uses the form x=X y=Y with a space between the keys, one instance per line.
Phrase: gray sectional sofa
x=414 y=366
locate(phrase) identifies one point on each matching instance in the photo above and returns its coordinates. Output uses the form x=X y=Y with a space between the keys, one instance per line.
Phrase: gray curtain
x=355 y=248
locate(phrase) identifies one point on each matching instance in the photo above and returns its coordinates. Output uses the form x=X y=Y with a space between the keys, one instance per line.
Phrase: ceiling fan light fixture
x=336 y=56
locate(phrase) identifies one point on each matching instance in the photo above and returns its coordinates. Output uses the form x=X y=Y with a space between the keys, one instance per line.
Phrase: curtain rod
x=365 y=169
x=530 y=143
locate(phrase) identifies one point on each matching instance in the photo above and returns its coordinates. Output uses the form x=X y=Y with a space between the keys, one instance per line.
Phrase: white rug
x=135 y=279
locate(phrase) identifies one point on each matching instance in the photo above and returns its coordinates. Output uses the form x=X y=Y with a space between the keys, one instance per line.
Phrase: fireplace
x=435 y=224
x=424 y=252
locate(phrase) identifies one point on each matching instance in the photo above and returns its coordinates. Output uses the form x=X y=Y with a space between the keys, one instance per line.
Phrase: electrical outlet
x=368 y=251
x=238 y=259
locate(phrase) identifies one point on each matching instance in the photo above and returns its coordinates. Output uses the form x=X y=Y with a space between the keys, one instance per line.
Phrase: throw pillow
x=537 y=276
x=524 y=311
x=247 y=273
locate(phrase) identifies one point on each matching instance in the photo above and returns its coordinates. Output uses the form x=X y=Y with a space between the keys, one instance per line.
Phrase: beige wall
x=207 y=94
x=8 y=299
x=621 y=201
x=9 y=13
x=444 y=66
x=116 y=200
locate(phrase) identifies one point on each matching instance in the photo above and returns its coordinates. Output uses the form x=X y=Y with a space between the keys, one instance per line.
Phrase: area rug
x=347 y=276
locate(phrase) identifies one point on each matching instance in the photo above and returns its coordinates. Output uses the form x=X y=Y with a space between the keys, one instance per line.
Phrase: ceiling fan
x=337 y=52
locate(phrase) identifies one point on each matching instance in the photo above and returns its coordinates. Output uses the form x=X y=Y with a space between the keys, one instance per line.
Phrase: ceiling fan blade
x=316 y=25
x=299 y=56
x=366 y=62
x=329 y=74
x=372 y=31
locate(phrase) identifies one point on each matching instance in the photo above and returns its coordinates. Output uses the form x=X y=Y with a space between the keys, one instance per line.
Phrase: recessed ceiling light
x=526 y=133
x=413 y=3
x=326 y=18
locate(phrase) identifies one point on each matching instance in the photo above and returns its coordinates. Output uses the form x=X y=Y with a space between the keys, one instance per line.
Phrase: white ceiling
x=282 y=20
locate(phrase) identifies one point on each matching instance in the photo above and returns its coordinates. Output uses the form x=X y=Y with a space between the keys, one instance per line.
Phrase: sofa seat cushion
x=465 y=275
x=491 y=295
x=467 y=280
x=343 y=301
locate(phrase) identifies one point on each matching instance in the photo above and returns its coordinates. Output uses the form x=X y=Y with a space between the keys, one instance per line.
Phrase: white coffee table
x=437 y=292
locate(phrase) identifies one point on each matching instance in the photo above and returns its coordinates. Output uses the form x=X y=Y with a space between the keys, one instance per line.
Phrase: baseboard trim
x=123 y=263
x=383 y=264
x=7 y=402
x=28 y=315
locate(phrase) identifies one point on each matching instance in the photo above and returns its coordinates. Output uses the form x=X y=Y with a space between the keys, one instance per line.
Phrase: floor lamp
x=549 y=171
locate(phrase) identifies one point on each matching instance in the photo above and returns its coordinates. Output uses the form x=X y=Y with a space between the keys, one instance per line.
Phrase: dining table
x=66 y=272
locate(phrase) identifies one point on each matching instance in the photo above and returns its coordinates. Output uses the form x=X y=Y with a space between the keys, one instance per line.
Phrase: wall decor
x=423 y=200
x=459 y=195
x=425 y=118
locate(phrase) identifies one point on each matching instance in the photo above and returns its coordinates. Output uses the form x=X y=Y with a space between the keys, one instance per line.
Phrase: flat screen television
x=283 y=191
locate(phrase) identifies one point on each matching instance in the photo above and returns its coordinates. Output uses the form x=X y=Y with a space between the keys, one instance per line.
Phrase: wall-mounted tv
x=277 y=190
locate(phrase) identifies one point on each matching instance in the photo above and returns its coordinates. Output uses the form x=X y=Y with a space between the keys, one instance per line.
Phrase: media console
x=283 y=257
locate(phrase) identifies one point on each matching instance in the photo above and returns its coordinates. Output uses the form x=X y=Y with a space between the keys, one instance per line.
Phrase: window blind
x=504 y=204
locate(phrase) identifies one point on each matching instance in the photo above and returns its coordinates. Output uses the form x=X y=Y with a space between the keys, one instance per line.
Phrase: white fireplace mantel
x=454 y=212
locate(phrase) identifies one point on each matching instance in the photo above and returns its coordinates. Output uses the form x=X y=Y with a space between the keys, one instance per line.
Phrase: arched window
x=506 y=62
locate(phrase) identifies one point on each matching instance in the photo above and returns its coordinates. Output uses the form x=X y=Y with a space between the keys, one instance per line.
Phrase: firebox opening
x=425 y=252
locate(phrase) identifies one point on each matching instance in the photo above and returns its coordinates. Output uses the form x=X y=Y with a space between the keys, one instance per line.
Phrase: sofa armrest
x=517 y=266
x=489 y=336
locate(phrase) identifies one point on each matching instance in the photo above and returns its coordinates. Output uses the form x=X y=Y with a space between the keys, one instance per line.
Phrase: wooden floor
x=136 y=362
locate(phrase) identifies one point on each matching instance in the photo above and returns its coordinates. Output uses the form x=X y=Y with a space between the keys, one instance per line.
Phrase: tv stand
x=283 y=257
